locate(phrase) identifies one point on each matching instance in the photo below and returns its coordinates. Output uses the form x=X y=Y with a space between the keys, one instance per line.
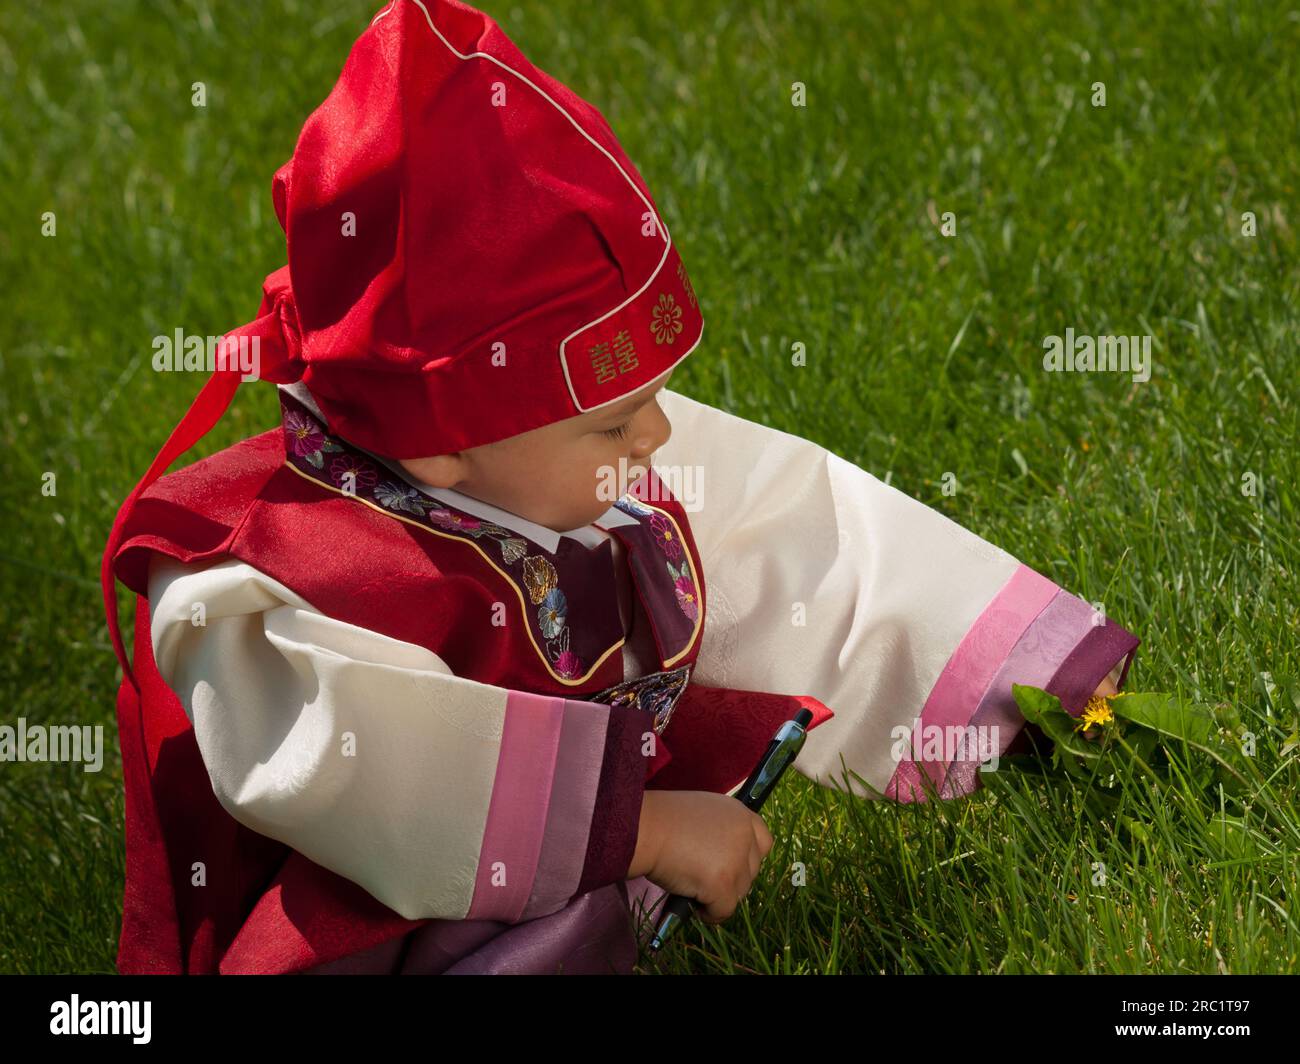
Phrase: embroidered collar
x=546 y=583
x=547 y=538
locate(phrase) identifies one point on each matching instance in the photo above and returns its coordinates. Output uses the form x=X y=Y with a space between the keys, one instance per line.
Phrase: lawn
x=1169 y=212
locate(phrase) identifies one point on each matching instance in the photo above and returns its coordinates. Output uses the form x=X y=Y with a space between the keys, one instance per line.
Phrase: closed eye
x=619 y=432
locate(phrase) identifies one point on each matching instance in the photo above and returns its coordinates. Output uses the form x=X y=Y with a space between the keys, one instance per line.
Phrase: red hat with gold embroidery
x=471 y=254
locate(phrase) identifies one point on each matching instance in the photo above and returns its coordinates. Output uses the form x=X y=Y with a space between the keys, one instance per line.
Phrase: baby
x=441 y=674
x=699 y=844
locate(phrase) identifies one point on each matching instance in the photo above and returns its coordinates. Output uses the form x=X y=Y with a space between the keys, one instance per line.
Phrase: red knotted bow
x=275 y=336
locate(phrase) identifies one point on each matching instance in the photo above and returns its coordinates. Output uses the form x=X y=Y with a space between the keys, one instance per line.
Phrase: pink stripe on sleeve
x=517 y=813
x=568 y=820
x=1034 y=660
x=961 y=685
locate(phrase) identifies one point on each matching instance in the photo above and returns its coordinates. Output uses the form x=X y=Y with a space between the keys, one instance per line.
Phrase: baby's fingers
x=1106 y=689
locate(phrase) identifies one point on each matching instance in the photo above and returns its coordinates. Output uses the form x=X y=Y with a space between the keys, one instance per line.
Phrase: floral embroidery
x=629 y=505
x=308 y=440
x=566 y=662
x=400 y=497
x=684 y=586
x=664 y=536
x=513 y=549
x=354 y=471
x=550 y=615
x=657 y=692
x=552 y=619
x=568 y=665
x=305 y=435
x=666 y=319
x=462 y=522
x=686 y=283
x=539 y=577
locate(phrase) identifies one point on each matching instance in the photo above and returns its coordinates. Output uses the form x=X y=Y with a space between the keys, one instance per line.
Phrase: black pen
x=778 y=756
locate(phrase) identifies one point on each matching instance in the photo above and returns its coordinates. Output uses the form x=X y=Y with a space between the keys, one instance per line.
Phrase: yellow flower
x=1097 y=711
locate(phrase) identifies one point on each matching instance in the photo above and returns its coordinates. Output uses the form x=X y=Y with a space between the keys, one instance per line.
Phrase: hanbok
x=375 y=776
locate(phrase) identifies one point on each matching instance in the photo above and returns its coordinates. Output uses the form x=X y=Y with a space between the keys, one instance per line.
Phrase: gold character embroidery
x=625 y=352
x=686 y=283
x=602 y=362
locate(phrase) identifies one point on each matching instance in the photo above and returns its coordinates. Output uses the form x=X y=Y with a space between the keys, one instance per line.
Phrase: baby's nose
x=654 y=437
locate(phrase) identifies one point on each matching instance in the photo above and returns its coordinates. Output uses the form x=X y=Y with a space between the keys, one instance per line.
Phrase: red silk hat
x=492 y=213
x=471 y=255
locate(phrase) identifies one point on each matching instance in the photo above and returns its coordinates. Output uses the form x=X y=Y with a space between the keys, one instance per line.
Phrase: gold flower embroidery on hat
x=666 y=319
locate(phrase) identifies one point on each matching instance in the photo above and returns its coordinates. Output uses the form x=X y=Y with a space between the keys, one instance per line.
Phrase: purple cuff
x=616 y=817
x=1091 y=662
x=1032 y=633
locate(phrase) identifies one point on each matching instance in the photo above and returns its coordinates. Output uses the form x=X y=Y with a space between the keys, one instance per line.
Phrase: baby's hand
x=701 y=845
x=1106 y=689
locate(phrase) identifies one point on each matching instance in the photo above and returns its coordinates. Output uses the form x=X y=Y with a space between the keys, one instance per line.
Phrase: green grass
x=809 y=225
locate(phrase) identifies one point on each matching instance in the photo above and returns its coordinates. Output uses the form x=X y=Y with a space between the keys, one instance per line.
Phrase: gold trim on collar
x=506 y=576
x=695 y=577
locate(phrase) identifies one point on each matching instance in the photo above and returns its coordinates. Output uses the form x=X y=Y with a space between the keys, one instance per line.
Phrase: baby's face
x=561 y=475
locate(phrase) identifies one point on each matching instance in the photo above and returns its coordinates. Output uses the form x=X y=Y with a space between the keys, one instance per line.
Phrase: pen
x=778 y=756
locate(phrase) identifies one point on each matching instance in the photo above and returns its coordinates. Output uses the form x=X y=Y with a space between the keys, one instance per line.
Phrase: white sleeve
x=821 y=580
x=368 y=756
